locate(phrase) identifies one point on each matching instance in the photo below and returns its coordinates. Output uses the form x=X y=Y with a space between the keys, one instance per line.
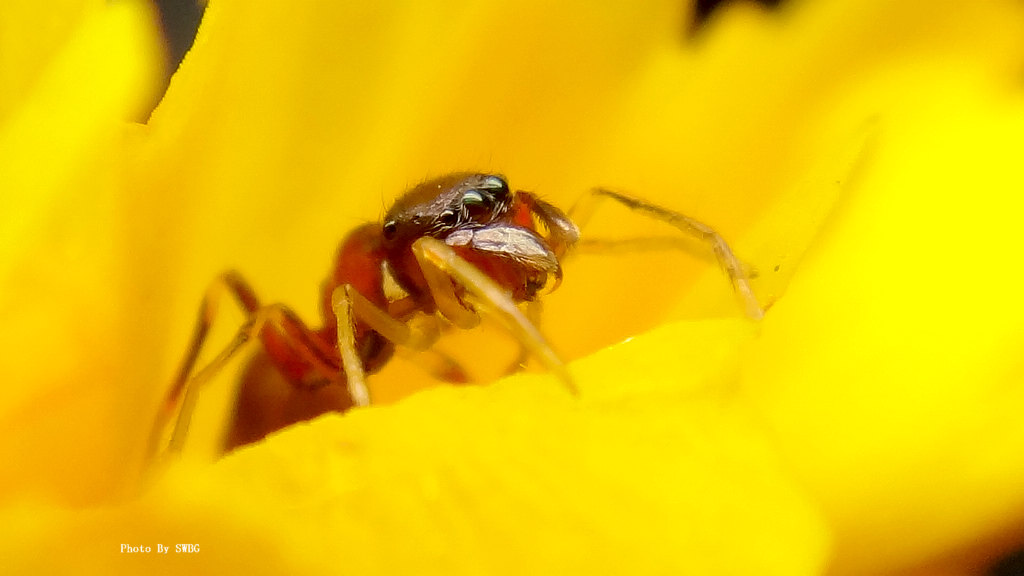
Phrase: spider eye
x=478 y=205
x=496 y=185
x=485 y=196
x=475 y=199
x=390 y=229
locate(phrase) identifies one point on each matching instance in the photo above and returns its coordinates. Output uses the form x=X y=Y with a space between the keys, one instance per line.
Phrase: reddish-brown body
x=279 y=387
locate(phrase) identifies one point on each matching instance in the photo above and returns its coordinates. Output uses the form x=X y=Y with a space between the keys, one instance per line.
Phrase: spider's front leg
x=733 y=267
x=351 y=307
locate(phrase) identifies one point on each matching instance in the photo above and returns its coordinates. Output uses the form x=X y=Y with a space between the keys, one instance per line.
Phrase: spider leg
x=441 y=265
x=185 y=387
x=533 y=313
x=235 y=285
x=349 y=305
x=286 y=324
x=563 y=232
x=739 y=274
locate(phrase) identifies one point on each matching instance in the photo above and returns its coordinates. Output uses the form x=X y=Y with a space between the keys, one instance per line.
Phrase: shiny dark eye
x=485 y=196
x=476 y=199
x=477 y=203
x=390 y=229
x=496 y=185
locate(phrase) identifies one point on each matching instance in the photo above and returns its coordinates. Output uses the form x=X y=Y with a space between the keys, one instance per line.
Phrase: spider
x=457 y=246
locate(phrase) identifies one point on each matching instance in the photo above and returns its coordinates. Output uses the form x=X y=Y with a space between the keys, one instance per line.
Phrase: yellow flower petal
x=891 y=369
x=66 y=399
x=31 y=35
x=888 y=370
x=513 y=478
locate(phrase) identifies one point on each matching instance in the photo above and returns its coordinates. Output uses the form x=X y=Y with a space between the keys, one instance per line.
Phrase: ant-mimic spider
x=457 y=246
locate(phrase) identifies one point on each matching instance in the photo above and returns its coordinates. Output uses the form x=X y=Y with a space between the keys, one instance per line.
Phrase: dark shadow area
x=180 y=20
x=705 y=8
x=1012 y=565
